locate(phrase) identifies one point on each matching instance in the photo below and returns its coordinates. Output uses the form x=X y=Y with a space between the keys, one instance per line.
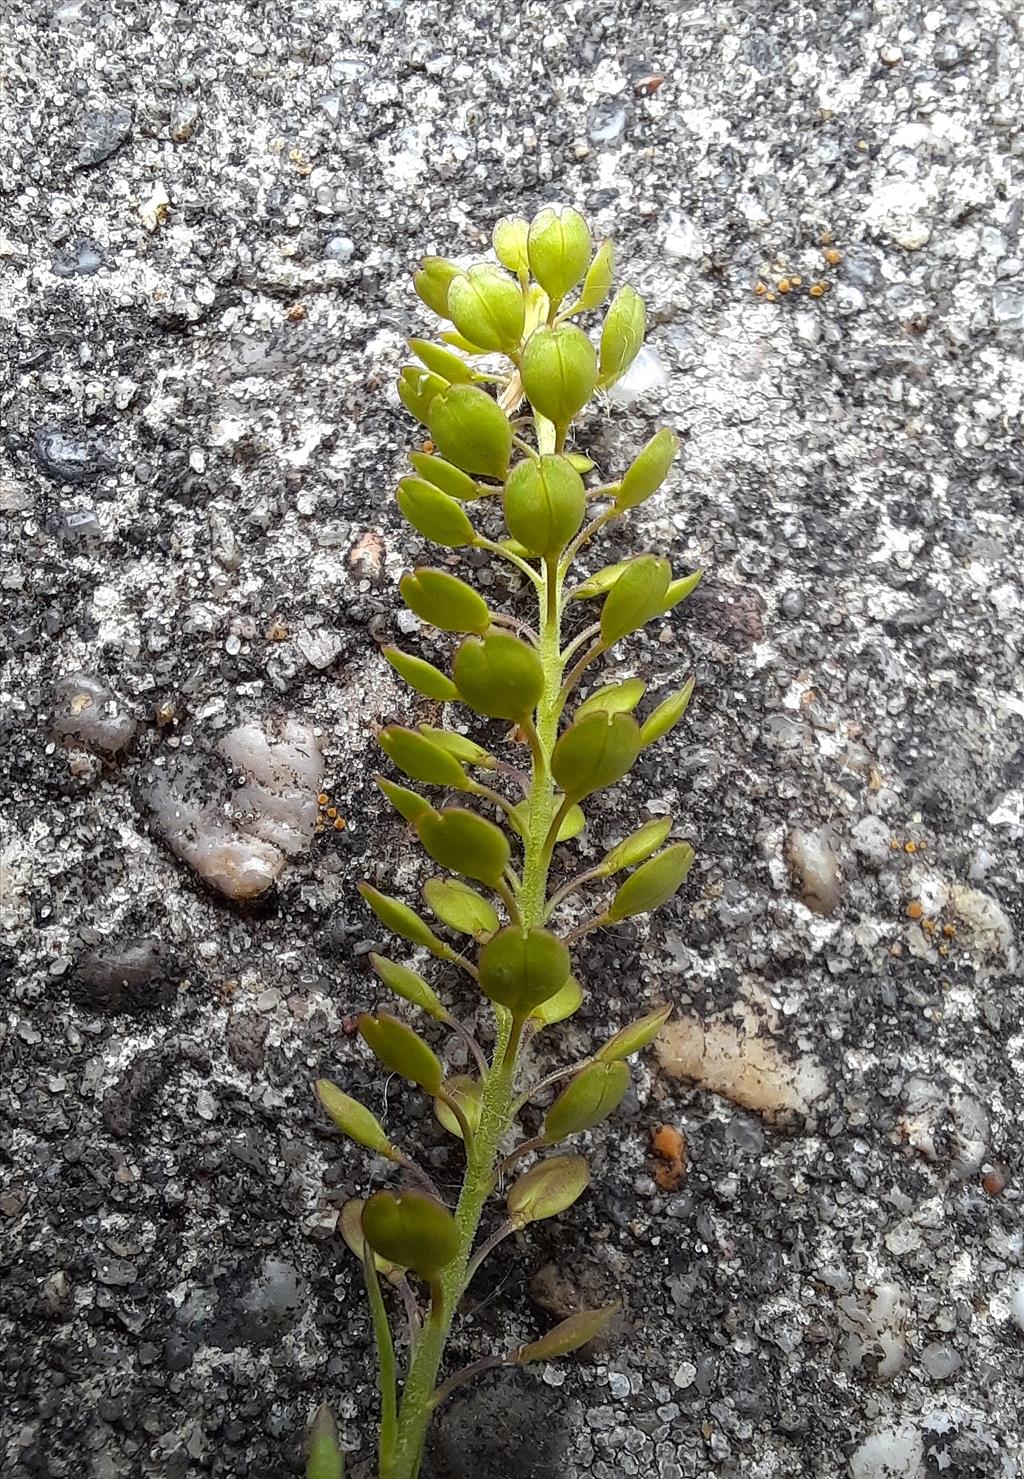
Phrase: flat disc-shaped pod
x=465 y=843
x=499 y=676
x=638 y=595
x=520 y=968
x=544 y=501
x=559 y=371
x=471 y=430
x=460 y=907
x=653 y=883
x=411 y=1229
x=589 y=1098
x=595 y=752
x=403 y=1051
x=421 y=759
x=444 y=601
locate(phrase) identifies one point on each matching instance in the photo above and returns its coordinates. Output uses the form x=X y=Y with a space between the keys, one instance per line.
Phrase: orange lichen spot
x=669 y=1145
x=296 y=313
x=339 y=824
x=910 y=847
x=826 y=238
x=783 y=285
x=332 y=812
x=895 y=844
x=949 y=930
x=426 y=446
x=795 y=282
x=276 y=632
x=995 y=1181
x=323 y=799
x=832 y=257
x=915 y=909
x=943 y=950
x=928 y=925
x=818 y=289
x=760 y=289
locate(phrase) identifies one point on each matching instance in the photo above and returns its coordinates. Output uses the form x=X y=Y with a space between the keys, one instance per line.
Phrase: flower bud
x=463 y=842
x=545 y=501
x=667 y=715
x=412 y=1230
x=471 y=430
x=559 y=370
x=487 y=308
x=622 y=334
x=637 y=846
x=325 y=1460
x=441 y=361
x=433 y=280
x=568 y=1336
x=648 y=470
x=635 y=1037
x=354 y=1120
x=450 y=480
x=510 y=243
x=558 y=245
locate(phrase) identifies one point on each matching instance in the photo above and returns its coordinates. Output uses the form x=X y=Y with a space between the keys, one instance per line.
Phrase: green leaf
x=667 y=715
x=461 y=907
x=402 y=920
x=350 y=1225
x=471 y=430
x=433 y=514
x=566 y=1001
x=616 y=698
x=648 y=470
x=598 y=282
x=510 y=239
x=441 y=361
x=637 y=846
x=421 y=759
x=559 y=372
x=450 y=480
x=653 y=883
x=590 y=1097
x=547 y=1189
x=444 y=600
x=558 y=246
x=520 y=968
x=572 y=823
x=410 y=986
x=409 y=804
x=411 y=1229
x=325 y=1459
x=422 y=676
x=570 y=1335
x=466 y=750
x=544 y=501
x=487 y=308
x=499 y=676
x=681 y=588
x=433 y=280
x=468 y=1095
x=594 y=752
x=634 y=1038
x=417 y=390
x=638 y=595
x=465 y=843
x=622 y=335
x=600 y=583
x=401 y=1050
x=355 y=1121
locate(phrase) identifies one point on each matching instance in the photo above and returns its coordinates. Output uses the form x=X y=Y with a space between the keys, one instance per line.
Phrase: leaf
x=402 y=920
x=638 y=595
x=590 y=1097
x=350 y=1225
x=410 y=986
x=559 y=372
x=421 y=759
x=637 y=846
x=616 y=698
x=571 y=826
x=422 y=676
x=544 y=502
x=468 y=1095
x=460 y=907
x=354 y=1120
x=594 y=752
x=520 y=968
x=653 y=883
x=558 y=246
x=441 y=361
x=600 y=583
x=499 y=676
x=444 y=600
x=547 y=1189
x=325 y=1460
x=622 y=335
x=433 y=514
x=411 y=1229
x=418 y=389
x=634 y=1038
x=648 y=470
x=471 y=430
x=566 y=1001
x=401 y=1050
x=570 y=1335
x=433 y=280
x=451 y=480
x=487 y=307
x=465 y=843
x=598 y=282
x=409 y=804
x=463 y=749
x=667 y=715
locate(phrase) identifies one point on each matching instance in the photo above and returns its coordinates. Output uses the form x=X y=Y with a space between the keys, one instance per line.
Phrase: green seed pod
x=570 y=1335
x=421 y=759
x=468 y=1095
x=667 y=715
x=595 y=752
x=350 y=1225
x=558 y=245
x=520 y=968
x=547 y=1189
x=402 y=920
x=401 y=1050
x=622 y=335
x=499 y=676
x=410 y=986
x=433 y=514
x=471 y=430
x=510 y=238
x=590 y=1097
x=441 y=361
x=487 y=307
x=433 y=281
x=411 y=1229
x=465 y=843
x=417 y=390
x=637 y=846
x=325 y=1460
x=680 y=589
x=566 y=1001
x=634 y=1038
x=545 y=501
x=460 y=907
x=648 y=470
x=450 y=480
x=637 y=596
x=598 y=282
x=653 y=883
x=579 y=463
x=600 y=583
x=444 y=601
x=355 y=1121
x=616 y=698
x=409 y=804
x=559 y=370
x=466 y=750
x=422 y=676
x=460 y=342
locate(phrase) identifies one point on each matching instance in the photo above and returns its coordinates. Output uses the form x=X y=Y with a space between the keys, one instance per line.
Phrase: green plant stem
x=386 y=1357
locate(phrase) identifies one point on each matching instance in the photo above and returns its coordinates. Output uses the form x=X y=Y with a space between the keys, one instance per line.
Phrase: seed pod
x=433 y=280
x=598 y=282
x=667 y=715
x=558 y=245
x=402 y=920
x=401 y=1050
x=648 y=470
x=433 y=514
x=595 y=752
x=411 y=1229
x=559 y=371
x=570 y=1335
x=450 y=480
x=653 y=883
x=499 y=676
x=579 y=463
x=422 y=676
x=460 y=907
x=421 y=759
x=520 y=968
x=441 y=361
x=468 y=1095
x=622 y=335
x=417 y=390
x=547 y=1189
x=679 y=589
x=545 y=501
x=590 y=1097
x=636 y=597
x=354 y=1120
x=465 y=843
x=325 y=1460
x=465 y=750
x=350 y=1225
x=566 y=1001
x=409 y=804
x=471 y=430
x=410 y=986
x=600 y=583
x=487 y=307
x=509 y=239
x=637 y=846
x=616 y=698
x=444 y=600
x=634 y=1038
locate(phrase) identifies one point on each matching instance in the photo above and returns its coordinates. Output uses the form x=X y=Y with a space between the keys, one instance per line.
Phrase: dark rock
x=127 y=976
x=71 y=456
